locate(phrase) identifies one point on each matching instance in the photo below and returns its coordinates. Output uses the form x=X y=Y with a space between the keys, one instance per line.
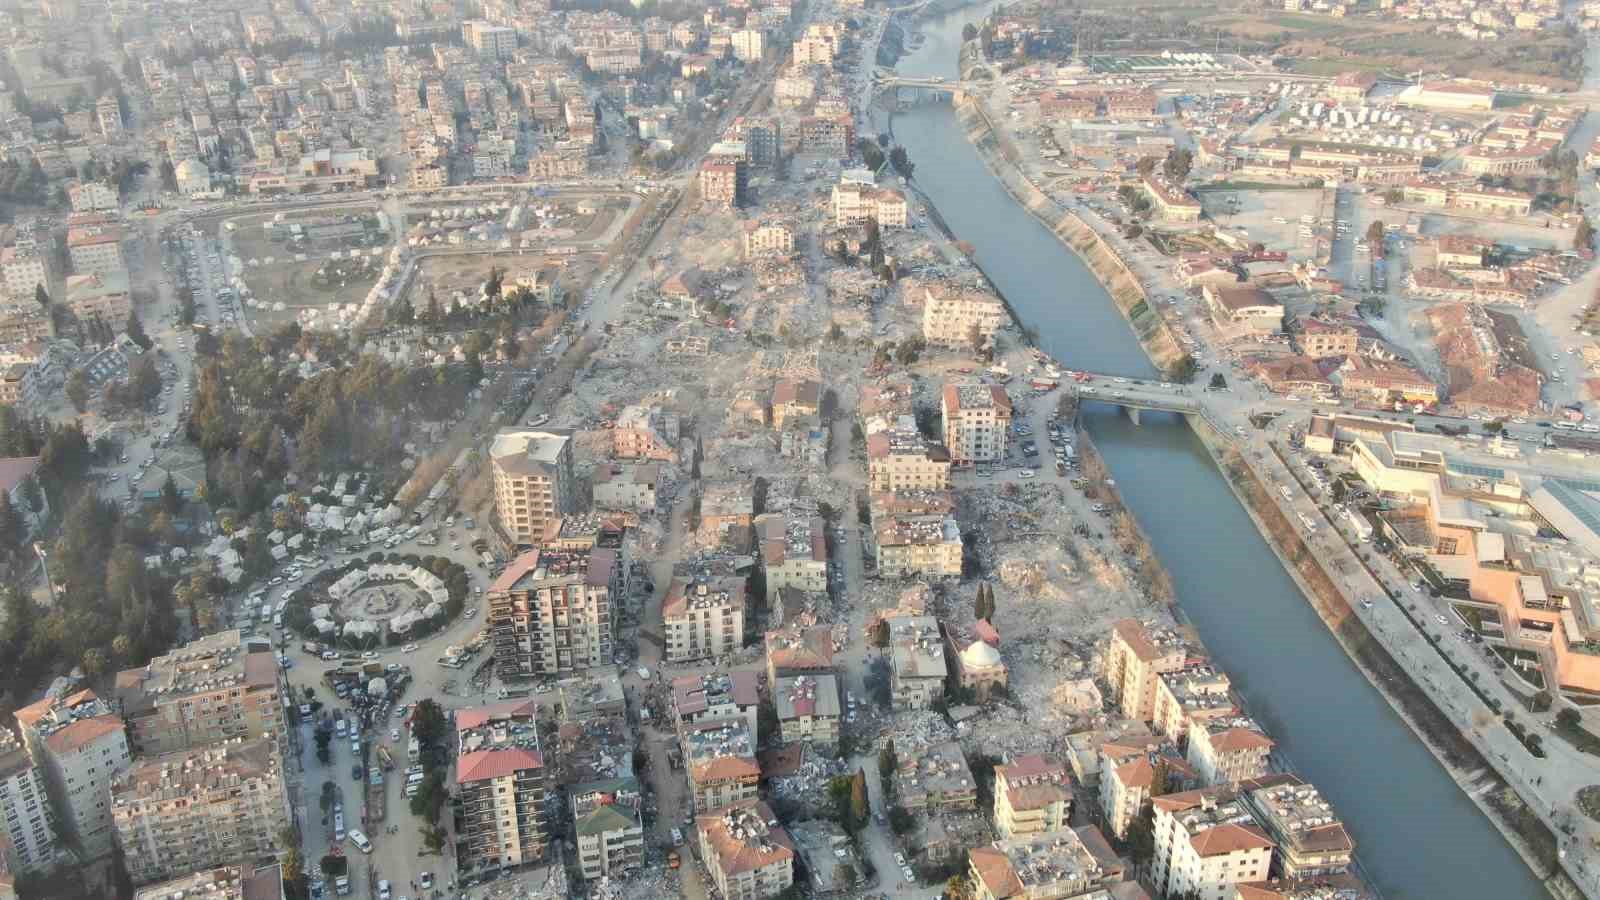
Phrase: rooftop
x=806 y=695
x=690 y=593
x=695 y=694
x=484 y=765
x=708 y=744
x=498 y=725
x=746 y=837
x=1296 y=815
x=527 y=452
x=593 y=565
x=216 y=662
x=1033 y=865
x=805 y=649
x=917 y=648
x=225 y=766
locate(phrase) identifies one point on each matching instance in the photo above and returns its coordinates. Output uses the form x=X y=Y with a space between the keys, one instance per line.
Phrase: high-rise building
x=532 y=482
x=703 y=617
x=1032 y=795
x=240 y=882
x=208 y=690
x=27 y=832
x=108 y=115
x=977 y=422
x=1312 y=841
x=748 y=854
x=724 y=179
x=181 y=812
x=1205 y=842
x=1135 y=662
x=610 y=830
x=95 y=249
x=491 y=41
x=550 y=611
x=502 y=787
x=81 y=745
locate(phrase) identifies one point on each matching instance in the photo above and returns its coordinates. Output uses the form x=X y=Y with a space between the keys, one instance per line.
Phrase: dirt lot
x=294 y=285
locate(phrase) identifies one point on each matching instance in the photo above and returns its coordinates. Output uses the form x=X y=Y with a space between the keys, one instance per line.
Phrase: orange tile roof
x=994 y=870
x=1236 y=739
x=483 y=765
x=82 y=733
x=1229 y=838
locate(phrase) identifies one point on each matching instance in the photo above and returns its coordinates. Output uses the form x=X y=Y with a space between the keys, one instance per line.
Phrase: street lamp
x=38 y=549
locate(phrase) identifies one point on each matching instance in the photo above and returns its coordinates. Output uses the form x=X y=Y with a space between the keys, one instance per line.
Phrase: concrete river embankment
x=1419 y=836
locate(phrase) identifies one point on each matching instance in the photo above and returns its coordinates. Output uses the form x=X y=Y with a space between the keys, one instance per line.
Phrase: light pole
x=38 y=549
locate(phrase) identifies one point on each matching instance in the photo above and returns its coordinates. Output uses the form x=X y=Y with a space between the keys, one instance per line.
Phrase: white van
x=360 y=840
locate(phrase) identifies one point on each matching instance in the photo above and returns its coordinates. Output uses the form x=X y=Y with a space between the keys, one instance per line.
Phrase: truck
x=1363 y=528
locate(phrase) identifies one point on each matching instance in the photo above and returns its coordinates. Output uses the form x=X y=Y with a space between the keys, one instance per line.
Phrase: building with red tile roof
x=749 y=855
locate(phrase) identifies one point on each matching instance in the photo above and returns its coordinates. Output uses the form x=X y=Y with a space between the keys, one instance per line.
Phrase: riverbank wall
x=1459 y=757
x=1108 y=266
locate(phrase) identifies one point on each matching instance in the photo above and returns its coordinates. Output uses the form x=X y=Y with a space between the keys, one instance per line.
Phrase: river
x=1416 y=834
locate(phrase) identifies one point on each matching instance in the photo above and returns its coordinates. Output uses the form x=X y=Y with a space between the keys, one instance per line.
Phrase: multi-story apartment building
x=1228 y=750
x=1126 y=778
x=901 y=459
x=917 y=670
x=237 y=882
x=977 y=422
x=796 y=650
x=724 y=179
x=80 y=745
x=1135 y=661
x=1193 y=694
x=550 y=611
x=103 y=297
x=1205 y=843
x=1039 y=866
x=808 y=709
x=629 y=487
x=762 y=137
x=767 y=239
x=95 y=249
x=490 y=41
x=533 y=483
x=794 y=399
x=720 y=759
x=1312 y=842
x=793 y=551
x=1032 y=795
x=832 y=135
x=934 y=778
x=913 y=544
x=697 y=699
x=856 y=204
x=24 y=269
x=108 y=115
x=606 y=818
x=92 y=196
x=749 y=44
x=749 y=856
x=645 y=432
x=28 y=840
x=953 y=318
x=176 y=813
x=501 y=787
x=704 y=617
x=208 y=690
x=23 y=321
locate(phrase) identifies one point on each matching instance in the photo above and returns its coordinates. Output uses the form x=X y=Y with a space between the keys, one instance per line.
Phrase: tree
x=1375 y=232
x=860 y=810
x=901 y=162
x=170 y=500
x=329 y=795
x=969 y=32
x=871 y=154
x=887 y=762
x=428 y=724
x=135 y=331
x=77 y=390
x=983 y=604
x=12 y=527
x=293 y=865
x=1142 y=839
x=1583 y=238
x=1218 y=383
x=1178 y=163
x=1145 y=166
x=41 y=296
x=1568 y=717
x=169 y=177
x=430 y=797
x=433 y=838
x=1182 y=370
x=322 y=738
